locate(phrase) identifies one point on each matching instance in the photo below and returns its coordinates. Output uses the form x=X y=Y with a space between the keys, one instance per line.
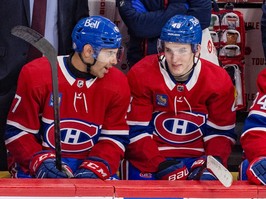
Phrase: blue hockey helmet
x=97 y=31
x=182 y=29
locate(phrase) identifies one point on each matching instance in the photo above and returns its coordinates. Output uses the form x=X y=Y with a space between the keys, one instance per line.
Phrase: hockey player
x=145 y=19
x=253 y=137
x=14 y=53
x=182 y=109
x=93 y=100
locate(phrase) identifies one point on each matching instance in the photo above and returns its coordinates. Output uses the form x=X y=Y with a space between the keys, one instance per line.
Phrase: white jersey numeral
x=262 y=102
x=18 y=99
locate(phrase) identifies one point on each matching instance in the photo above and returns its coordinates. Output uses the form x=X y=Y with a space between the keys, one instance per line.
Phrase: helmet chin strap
x=87 y=64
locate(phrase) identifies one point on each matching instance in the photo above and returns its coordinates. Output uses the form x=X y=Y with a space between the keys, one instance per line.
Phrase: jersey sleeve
x=114 y=133
x=142 y=150
x=253 y=137
x=141 y=24
x=21 y=136
x=220 y=136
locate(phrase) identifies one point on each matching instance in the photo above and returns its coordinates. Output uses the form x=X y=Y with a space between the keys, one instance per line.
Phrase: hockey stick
x=39 y=42
x=223 y=175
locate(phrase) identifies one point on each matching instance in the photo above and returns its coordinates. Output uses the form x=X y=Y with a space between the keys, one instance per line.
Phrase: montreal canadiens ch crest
x=76 y=136
x=179 y=129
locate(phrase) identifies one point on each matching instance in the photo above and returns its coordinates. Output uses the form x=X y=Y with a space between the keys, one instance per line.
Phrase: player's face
x=179 y=57
x=105 y=60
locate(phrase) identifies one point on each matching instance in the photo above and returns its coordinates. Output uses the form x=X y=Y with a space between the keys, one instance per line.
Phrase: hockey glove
x=138 y=5
x=43 y=166
x=93 y=167
x=172 y=170
x=199 y=171
x=256 y=171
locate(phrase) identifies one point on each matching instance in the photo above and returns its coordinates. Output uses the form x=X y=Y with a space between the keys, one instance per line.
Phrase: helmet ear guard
x=160 y=47
x=194 y=48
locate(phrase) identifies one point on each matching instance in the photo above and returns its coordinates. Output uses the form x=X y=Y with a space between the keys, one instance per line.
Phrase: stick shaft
x=39 y=42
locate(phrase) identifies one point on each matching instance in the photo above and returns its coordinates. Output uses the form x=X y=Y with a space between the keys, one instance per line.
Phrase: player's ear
x=87 y=50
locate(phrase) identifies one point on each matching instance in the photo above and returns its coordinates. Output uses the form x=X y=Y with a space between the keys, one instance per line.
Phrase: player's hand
x=256 y=171
x=199 y=171
x=172 y=170
x=138 y=5
x=43 y=165
x=93 y=167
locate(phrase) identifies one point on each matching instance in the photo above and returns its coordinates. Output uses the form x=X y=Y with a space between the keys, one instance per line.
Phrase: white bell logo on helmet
x=92 y=24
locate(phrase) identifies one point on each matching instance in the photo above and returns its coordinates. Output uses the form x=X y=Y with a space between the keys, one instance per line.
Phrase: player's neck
x=77 y=63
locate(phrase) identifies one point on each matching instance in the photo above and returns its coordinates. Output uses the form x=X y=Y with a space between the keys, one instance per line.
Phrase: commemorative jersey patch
x=162 y=100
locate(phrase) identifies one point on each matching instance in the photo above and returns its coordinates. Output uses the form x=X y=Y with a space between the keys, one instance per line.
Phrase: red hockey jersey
x=253 y=138
x=170 y=119
x=92 y=114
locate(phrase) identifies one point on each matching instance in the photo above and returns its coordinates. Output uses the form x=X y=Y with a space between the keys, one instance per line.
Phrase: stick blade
x=26 y=34
x=223 y=175
x=34 y=38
